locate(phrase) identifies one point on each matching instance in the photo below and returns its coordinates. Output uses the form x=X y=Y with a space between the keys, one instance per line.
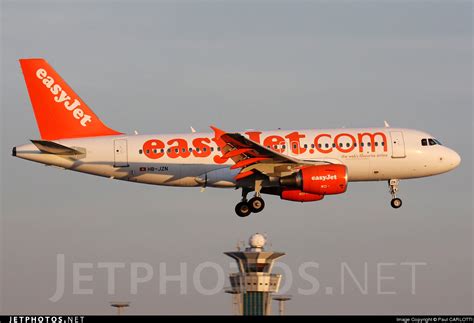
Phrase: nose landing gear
x=393 y=187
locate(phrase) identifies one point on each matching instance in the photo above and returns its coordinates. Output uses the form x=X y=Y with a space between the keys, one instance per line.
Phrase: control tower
x=253 y=285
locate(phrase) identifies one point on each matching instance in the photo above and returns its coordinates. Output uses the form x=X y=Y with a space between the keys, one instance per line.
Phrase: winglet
x=218 y=133
x=386 y=124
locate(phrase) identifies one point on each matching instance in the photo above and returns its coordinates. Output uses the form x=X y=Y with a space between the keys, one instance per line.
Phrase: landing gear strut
x=393 y=187
x=256 y=203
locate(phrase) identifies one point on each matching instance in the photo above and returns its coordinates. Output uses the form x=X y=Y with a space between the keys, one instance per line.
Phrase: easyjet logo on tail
x=60 y=96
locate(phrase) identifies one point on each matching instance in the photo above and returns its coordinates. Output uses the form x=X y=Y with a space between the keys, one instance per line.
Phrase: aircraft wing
x=252 y=158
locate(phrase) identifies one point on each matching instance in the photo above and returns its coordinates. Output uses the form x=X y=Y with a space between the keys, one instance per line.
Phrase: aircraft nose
x=453 y=159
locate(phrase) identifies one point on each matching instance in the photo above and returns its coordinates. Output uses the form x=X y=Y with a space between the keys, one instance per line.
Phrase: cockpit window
x=430 y=141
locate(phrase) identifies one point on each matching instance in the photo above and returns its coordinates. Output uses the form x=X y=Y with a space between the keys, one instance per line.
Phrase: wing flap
x=253 y=158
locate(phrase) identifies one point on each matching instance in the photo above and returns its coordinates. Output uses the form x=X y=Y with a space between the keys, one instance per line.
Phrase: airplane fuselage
x=370 y=154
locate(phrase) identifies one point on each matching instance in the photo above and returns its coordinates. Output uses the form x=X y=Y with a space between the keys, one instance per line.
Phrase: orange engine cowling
x=319 y=180
x=298 y=196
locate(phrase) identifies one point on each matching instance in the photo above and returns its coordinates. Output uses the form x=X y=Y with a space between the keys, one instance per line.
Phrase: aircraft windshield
x=430 y=142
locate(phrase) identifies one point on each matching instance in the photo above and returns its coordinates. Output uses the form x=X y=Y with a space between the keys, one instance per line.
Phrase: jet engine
x=318 y=180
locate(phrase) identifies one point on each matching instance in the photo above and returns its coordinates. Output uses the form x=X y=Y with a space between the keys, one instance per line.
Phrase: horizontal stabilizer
x=50 y=147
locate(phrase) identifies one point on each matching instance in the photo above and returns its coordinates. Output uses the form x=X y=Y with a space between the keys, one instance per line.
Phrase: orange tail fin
x=59 y=111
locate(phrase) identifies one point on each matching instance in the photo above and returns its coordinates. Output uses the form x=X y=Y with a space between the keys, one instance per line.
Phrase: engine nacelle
x=319 y=180
x=298 y=196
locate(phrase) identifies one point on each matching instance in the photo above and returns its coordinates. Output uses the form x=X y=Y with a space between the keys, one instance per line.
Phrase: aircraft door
x=120 y=153
x=398 y=144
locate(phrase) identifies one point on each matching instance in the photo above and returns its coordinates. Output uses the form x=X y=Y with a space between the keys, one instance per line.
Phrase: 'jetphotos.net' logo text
x=363 y=278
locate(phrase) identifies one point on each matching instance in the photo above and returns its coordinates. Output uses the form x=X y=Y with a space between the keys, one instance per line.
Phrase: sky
x=161 y=67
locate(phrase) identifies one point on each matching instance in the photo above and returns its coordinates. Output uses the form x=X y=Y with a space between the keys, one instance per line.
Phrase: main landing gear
x=393 y=187
x=254 y=205
x=245 y=208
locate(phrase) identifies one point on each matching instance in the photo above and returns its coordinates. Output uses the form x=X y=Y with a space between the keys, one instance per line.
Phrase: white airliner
x=297 y=165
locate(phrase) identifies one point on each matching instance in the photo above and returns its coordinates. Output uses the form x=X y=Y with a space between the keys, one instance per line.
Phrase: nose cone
x=453 y=159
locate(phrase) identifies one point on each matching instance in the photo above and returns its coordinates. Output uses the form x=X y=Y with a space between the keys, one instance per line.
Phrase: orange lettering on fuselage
x=341 y=147
x=254 y=135
x=179 y=150
x=294 y=142
x=361 y=136
x=324 y=143
x=275 y=142
x=200 y=148
x=319 y=146
x=152 y=148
